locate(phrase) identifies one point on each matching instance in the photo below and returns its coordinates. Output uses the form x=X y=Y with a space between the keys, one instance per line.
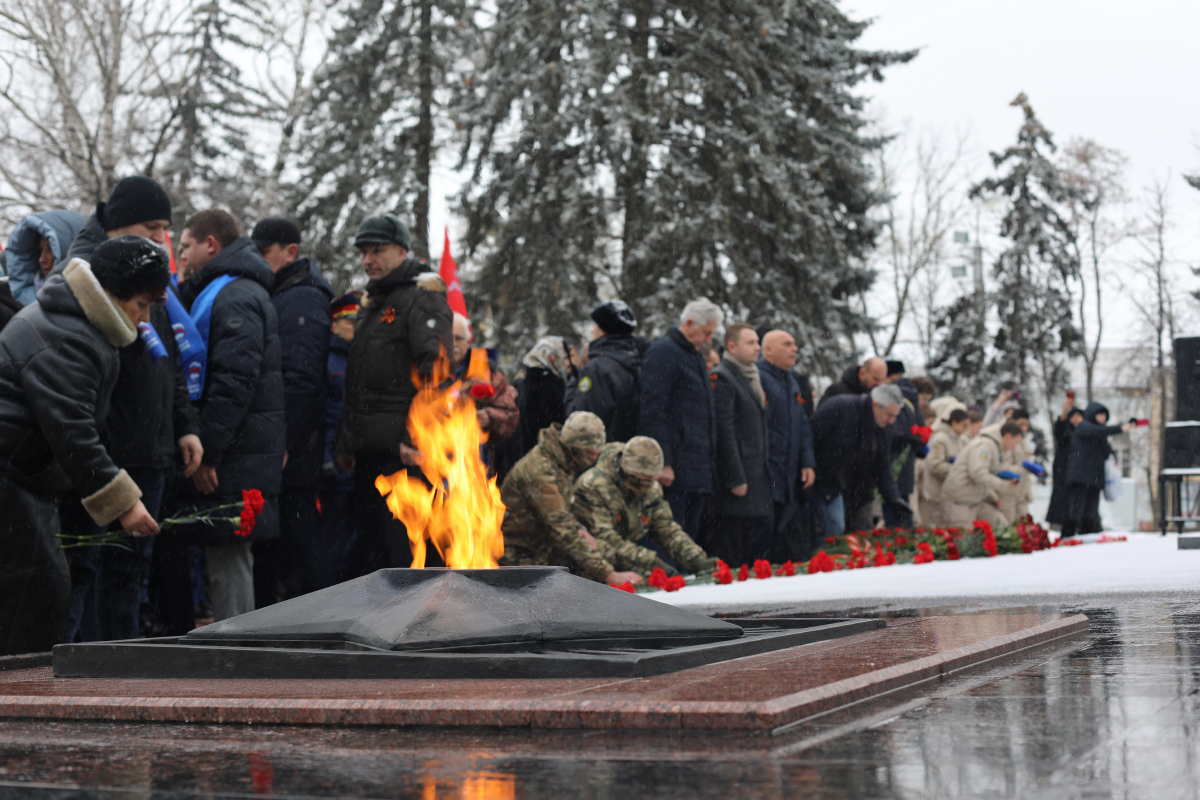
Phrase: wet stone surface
x=1111 y=714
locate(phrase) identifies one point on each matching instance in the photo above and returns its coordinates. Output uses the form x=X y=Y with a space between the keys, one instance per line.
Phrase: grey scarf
x=749 y=371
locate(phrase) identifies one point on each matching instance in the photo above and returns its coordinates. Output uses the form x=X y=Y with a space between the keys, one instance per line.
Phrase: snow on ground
x=1147 y=565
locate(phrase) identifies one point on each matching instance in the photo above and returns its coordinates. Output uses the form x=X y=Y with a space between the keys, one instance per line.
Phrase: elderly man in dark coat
x=738 y=523
x=677 y=412
x=609 y=384
x=59 y=360
x=789 y=446
x=859 y=380
x=301 y=298
x=1085 y=471
x=852 y=442
x=228 y=293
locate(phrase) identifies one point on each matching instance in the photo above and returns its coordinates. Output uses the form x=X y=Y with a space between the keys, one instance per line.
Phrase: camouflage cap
x=642 y=456
x=583 y=429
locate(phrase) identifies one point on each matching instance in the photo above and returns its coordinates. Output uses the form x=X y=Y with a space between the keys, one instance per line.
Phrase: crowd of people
x=134 y=390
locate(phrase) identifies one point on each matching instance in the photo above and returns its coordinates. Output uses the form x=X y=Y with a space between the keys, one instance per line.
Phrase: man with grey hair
x=852 y=444
x=677 y=411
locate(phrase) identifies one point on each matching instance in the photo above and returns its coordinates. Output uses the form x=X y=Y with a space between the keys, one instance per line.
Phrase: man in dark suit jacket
x=738 y=523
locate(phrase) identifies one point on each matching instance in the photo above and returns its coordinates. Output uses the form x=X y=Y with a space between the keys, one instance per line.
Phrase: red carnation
x=762 y=569
x=252 y=506
x=821 y=562
x=830 y=540
x=674 y=583
x=743 y=572
x=724 y=573
x=788 y=569
x=921 y=432
x=624 y=587
x=925 y=555
x=482 y=391
x=658 y=578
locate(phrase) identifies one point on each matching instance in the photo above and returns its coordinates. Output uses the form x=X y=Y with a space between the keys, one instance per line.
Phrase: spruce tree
x=668 y=150
x=372 y=135
x=1031 y=294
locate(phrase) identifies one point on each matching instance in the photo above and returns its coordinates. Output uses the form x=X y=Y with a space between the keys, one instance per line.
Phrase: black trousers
x=1083 y=511
x=35 y=584
x=304 y=555
x=737 y=540
x=380 y=540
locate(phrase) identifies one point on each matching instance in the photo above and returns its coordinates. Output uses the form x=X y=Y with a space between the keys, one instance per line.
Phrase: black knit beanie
x=129 y=265
x=135 y=199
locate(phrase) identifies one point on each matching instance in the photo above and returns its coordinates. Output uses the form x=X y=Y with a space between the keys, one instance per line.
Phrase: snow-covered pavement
x=1145 y=566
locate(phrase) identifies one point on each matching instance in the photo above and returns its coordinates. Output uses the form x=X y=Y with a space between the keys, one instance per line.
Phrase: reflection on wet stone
x=1112 y=714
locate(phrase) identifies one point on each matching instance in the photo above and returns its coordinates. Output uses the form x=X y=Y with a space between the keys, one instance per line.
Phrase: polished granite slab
x=755 y=694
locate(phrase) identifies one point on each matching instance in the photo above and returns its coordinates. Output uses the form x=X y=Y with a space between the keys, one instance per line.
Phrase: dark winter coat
x=58 y=366
x=540 y=401
x=789 y=442
x=806 y=392
x=678 y=412
x=902 y=436
x=404 y=322
x=24 y=247
x=9 y=306
x=1090 y=449
x=853 y=453
x=847 y=384
x=151 y=409
x=742 y=456
x=301 y=298
x=335 y=390
x=609 y=386
x=1057 y=510
x=242 y=406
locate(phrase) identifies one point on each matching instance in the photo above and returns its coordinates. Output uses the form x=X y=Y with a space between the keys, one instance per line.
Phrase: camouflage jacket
x=619 y=519
x=539 y=527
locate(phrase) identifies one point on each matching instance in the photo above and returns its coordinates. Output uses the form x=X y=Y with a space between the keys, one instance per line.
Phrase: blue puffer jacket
x=335 y=396
x=24 y=247
x=677 y=411
x=789 y=436
x=301 y=298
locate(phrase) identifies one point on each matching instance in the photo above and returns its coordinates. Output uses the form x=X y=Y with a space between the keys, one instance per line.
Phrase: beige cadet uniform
x=972 y=480
x=608 y=503
x=539 y=527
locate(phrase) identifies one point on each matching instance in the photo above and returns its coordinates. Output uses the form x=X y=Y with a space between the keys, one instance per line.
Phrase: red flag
x=449 y=272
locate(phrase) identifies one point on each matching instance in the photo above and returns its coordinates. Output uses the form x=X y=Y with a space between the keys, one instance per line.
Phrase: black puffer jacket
x=58 y=366
x=301 y=298
x=405 y=322
x=8 y=304
x=610 y=385
x=847 y=384
x=1090 y=449
x=853 y=453
x=241 y=410
x=150 y=405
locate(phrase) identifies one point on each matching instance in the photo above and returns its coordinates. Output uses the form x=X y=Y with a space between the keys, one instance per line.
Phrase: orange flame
x=459 y=509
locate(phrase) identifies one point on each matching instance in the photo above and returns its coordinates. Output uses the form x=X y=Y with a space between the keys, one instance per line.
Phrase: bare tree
x=922 y=178
x=72 y=75
x=1096 y=174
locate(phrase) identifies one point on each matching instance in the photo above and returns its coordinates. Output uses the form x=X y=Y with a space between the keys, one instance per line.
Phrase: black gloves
x=702 y=565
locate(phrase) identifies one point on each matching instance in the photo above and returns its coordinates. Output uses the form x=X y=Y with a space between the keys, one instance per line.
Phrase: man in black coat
x=905 y=443
x=737 y=525
x=301 y=298
x=1064 y=429
x=790 y=448
x=609 y=385
x=227 y=291
x=151 y=419
x=404 y=324
x=677 y=411
x=1085 y=470
x=59 y=363
x=852 y=442
x=859 y=380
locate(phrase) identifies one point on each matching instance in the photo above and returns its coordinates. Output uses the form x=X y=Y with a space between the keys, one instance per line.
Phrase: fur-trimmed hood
x=77 y=292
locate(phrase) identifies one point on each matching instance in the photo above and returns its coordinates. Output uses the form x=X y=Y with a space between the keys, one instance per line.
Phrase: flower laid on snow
x=743 y=573
x=674 y=583
x=723 y=573
x=658 y=578
x=763 y=569
x=924 y=553
x=786 y=570
x=624 y=587
x=821 y=562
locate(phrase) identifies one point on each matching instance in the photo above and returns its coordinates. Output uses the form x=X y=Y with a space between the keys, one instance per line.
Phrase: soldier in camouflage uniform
x=620 y=501
x=538 y=525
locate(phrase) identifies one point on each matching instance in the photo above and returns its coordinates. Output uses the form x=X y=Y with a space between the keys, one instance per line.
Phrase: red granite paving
x=754 y=693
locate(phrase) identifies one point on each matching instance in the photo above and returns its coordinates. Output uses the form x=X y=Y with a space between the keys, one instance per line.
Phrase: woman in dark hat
x=58 y=365
x=1064 y=427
